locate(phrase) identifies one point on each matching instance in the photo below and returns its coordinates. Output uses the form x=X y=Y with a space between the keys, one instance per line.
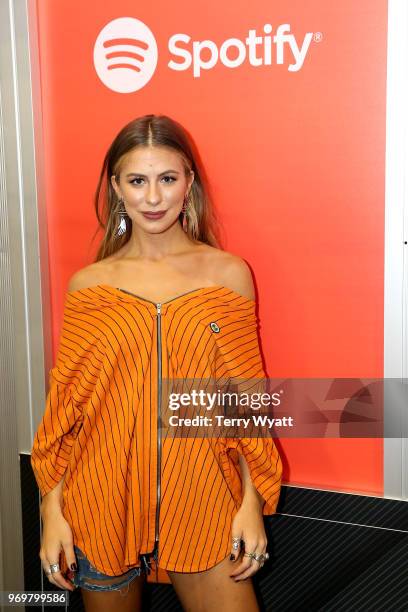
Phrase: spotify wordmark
x=280 y=48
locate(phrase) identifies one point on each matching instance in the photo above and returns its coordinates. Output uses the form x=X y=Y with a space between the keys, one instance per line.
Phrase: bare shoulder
x=86 y=277
x=232 y=271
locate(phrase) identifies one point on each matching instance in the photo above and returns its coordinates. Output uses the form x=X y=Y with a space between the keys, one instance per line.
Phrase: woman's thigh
x=115 y=601
x=214 y=589
x=103 y=593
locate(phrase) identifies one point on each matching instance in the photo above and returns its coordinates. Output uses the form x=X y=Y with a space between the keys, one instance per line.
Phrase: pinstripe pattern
x=100 y=426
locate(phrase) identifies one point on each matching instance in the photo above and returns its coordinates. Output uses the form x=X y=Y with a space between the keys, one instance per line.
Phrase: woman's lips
x=155 y=215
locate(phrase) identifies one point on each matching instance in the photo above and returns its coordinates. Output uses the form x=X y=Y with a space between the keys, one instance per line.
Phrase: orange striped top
x=128 y=489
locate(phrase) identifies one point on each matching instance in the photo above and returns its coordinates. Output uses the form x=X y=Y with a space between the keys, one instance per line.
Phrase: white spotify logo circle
x=125 y=55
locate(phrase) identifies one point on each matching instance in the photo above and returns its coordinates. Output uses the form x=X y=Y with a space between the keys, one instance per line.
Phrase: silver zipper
x=159 y=390
x=155 y=552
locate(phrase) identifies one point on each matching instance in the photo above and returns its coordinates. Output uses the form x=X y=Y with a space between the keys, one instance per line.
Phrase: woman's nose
x=153 y=194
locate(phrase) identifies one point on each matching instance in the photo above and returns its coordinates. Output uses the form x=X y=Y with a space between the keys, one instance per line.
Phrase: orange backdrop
x=296 y=159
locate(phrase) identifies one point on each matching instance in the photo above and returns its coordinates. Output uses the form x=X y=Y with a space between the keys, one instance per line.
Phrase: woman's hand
x=57 y=534
x=248 y=526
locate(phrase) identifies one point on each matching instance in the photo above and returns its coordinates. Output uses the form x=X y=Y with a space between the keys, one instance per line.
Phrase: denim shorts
x=86 y=570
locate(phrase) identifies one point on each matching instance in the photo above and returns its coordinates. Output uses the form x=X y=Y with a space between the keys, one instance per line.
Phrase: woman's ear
x=115 y=185
x=191 y=179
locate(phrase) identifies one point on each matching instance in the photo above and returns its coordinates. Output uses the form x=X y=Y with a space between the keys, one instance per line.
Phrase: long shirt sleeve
x=56 y=433
x=63 y=415
x=242 y=363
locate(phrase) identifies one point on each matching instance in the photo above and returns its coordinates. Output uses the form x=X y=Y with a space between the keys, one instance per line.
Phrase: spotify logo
x=125 y=52
x=125 y=55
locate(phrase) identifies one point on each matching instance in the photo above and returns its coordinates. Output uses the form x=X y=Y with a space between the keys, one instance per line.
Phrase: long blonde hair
x=154 y=130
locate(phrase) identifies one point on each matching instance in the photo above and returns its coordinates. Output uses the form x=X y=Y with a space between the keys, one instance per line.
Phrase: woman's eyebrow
x=144 y=175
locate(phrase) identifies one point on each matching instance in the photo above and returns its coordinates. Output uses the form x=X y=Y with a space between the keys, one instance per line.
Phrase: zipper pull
x=158 y=308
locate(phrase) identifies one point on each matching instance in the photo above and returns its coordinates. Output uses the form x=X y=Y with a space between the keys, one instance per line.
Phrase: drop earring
x=122 y=214
x=186 y=204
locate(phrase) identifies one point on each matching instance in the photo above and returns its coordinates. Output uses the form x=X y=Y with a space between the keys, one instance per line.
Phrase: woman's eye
x=139 y=178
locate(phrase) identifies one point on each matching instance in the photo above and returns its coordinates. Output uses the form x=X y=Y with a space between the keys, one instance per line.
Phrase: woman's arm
x=52 y=501
x=249 y=492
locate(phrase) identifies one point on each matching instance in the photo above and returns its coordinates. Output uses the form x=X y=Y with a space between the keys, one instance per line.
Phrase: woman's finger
x=245 y=562
x=235 y=547
x=70 y=557
x=249 y=565
x=56 y=577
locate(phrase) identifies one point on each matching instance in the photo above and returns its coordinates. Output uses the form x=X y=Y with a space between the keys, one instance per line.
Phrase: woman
x=161 y=303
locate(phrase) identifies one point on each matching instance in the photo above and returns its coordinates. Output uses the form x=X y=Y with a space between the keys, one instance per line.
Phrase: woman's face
x=152 y=179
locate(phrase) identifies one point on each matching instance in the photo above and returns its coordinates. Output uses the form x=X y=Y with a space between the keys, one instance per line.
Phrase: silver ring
x=54 y=567
x=261 y=558
x=236 y=543
x=250 y=554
